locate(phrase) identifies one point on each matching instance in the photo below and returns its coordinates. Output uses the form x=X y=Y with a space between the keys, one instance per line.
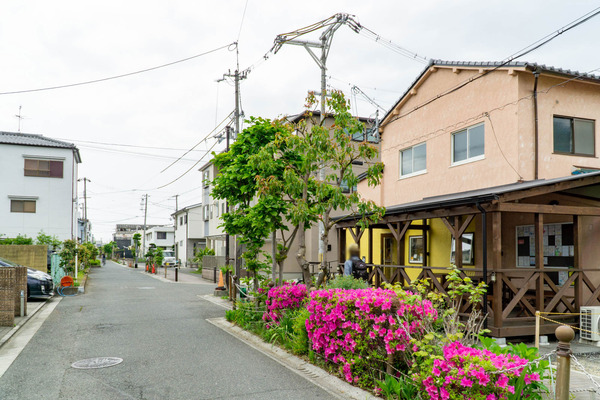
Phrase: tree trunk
x=325 y=238
x=301 y=257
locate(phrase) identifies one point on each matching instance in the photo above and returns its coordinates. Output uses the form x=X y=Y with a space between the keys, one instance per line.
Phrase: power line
x=528 y=49
x=118 y=151
x=242 y=21
x=121 y=75
x=197 y=144
x=124 y=145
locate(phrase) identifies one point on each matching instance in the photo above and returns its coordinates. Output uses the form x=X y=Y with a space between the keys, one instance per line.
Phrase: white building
x=212 y=210
x=38 y=189
x=160 y=236
x=189 y=232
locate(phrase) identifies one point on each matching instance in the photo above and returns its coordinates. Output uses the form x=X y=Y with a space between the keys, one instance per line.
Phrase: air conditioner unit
x=589 y=323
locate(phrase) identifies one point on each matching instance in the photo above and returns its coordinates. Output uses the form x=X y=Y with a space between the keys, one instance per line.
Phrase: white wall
x=55 y=211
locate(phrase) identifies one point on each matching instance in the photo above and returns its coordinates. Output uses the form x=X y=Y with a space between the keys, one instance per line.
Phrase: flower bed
x=281 y=299
x=363 y=329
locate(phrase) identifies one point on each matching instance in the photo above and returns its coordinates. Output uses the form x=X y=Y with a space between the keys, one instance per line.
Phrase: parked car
x=39 y=284
x=169 y=259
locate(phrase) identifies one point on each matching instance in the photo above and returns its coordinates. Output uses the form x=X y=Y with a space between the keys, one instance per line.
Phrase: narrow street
x=160 y=331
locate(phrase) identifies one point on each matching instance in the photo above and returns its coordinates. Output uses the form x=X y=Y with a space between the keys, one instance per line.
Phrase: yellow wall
x=438 y=239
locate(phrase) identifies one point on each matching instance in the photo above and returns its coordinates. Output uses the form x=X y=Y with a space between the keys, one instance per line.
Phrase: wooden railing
x=514 y=295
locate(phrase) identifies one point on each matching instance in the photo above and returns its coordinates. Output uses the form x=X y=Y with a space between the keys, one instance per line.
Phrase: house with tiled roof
x=501 y=158
x=38 y=186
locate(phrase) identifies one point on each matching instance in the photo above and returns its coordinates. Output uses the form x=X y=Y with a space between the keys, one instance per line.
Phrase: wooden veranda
x=558 y=277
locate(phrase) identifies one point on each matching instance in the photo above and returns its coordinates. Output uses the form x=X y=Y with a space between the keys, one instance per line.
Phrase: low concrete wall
x=34 y=256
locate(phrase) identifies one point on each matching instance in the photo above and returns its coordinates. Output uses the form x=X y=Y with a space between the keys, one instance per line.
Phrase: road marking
x=146 y=287
x=11 y=350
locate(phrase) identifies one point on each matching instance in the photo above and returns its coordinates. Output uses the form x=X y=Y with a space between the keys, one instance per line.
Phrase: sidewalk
x=6 y=332
x=185 y=275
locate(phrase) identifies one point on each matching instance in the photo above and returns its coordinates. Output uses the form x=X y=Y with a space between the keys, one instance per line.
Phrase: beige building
x=501 y=159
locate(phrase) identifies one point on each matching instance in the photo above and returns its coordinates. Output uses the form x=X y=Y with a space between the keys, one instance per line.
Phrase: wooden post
x=341 y=246
x=497 y=265
x=537 y=329
x=457 y=243
x=370 y=254
x=565 y=335
x=425 y=246
x=577 y=263
x=539 y=259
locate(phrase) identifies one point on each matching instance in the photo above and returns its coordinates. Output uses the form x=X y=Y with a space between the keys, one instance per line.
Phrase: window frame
x=470 y=254
x=413 y=173
x=161 y=233
x=410 y=248
x=572 y=120
x=468 y=159
x=40 y=173
x=34 y=201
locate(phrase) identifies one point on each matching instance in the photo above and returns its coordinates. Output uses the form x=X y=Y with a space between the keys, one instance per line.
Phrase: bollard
x=537 y=330
x=565 y=335
x=176 y=274
x=22 y=303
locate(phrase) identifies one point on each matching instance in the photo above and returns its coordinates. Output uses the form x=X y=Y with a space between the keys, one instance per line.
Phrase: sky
x=130 y=129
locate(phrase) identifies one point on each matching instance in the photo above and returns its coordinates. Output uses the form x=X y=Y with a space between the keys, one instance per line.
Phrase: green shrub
x=347 y=282
x=94 y=262
x=401 y=388
x=299 y=340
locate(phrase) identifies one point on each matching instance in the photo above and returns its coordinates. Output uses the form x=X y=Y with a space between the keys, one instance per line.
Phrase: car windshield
x=168 y=254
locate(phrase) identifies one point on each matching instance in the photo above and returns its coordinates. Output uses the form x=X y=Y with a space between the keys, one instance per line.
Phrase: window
x=180 y=220
x=206 y=178
x=205 y=212
x=468 y=144
x=161 y=235
x=370 y=133
x=346 y=189
x=47 y=168
x=574 y=136
x=185 y=219
x=413 y=160
x=467 y=249
x=415 y=254
x=217 y=209
x=223 y=208
x=22 y=206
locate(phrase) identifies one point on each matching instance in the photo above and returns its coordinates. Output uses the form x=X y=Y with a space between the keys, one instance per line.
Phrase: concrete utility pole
x=85 y=218
x=176 y=247
x=324 y=44
x=237 y=78
x=145 y=200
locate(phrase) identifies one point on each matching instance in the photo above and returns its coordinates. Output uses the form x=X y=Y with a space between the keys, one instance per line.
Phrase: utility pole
x=324 y=44
x=85 y=218
x=237 y=78
x=176 y=246
x=145 y=200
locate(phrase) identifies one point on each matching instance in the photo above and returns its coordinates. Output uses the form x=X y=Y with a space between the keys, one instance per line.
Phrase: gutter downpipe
x=536 y=74
x=485 y=260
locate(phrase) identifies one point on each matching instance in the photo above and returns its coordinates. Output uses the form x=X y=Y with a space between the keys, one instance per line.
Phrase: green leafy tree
x=158 y=256
x=67 y=255
x=20 y=240
x=109 y=248
x=199 y=256
x=52 y=242
x=137 y=242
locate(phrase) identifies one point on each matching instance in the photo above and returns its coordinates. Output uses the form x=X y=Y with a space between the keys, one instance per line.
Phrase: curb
x=14 y=330
x=331 y=384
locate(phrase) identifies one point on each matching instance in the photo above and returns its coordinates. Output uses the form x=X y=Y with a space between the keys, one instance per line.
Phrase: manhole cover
x=98 y=362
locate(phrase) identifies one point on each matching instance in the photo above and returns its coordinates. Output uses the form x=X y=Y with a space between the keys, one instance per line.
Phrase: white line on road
x=11 y=350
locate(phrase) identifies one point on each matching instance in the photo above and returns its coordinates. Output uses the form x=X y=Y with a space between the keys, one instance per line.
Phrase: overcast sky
x=169 y=110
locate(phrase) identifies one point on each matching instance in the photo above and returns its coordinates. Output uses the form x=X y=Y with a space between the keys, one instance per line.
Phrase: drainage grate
x=98 y=362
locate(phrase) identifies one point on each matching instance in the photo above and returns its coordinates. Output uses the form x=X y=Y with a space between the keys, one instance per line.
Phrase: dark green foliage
x=299 y=339
x=20 y=239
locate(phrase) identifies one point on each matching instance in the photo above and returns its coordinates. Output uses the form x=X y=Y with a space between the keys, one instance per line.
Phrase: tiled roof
x=28 y=139
x=494 y=64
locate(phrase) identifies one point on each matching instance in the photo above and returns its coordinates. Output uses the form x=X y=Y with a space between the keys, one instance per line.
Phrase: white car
x=169 y=259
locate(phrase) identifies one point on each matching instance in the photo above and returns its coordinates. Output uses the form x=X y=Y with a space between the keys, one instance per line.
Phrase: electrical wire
x=242 y=21
x=228 y=46
x=500 y=147
x=528 y=49
x=124 y=145
x=118 y=151
x=197 y=144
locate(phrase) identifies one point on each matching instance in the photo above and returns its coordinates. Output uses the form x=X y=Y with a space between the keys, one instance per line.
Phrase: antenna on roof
x=19 y=117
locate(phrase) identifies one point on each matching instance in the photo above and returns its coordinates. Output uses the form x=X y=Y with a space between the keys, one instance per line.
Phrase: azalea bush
x=281 y=299
x=466 y=372
x=362 y=330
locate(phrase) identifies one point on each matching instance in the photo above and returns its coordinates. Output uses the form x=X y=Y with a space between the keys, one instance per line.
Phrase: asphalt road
x=160 y=331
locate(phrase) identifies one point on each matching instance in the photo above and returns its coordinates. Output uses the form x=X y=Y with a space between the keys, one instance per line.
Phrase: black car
x=39 y=284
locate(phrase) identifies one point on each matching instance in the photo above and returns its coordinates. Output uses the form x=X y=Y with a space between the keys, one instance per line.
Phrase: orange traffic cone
x=221 y=284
